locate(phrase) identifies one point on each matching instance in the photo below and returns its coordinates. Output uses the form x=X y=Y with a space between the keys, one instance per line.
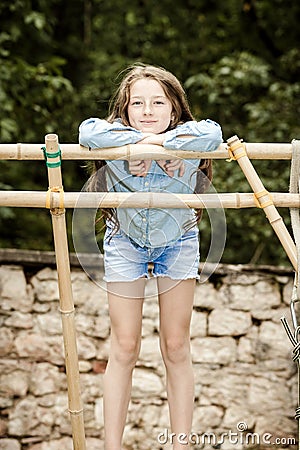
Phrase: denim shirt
x=154 y=227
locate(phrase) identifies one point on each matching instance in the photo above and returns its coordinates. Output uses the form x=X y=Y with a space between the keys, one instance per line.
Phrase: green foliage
x=239 y=64
x=34 y=100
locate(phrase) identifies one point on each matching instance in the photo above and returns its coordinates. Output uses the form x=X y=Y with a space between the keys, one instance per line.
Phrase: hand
x=139 y=167
x=170 y=165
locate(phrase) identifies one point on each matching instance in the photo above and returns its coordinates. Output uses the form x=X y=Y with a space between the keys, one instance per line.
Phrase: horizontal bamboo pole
x=146 y=151
x=38 y=199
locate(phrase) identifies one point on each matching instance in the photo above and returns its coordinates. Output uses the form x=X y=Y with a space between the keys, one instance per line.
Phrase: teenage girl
x=150 y=107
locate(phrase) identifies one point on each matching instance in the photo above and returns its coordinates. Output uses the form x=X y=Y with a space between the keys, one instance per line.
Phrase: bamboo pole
x=264 y=199
x=40 y=199
x=66 y=297
x=146 y=151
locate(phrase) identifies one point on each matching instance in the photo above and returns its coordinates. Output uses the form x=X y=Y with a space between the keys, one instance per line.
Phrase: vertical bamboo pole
x=263 y=198
x=53 y=161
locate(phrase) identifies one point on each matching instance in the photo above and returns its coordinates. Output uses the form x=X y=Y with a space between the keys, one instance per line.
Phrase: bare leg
x=176 y=304
x=125 y=309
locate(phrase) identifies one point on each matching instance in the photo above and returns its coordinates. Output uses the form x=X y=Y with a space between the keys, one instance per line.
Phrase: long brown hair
x=119 y=110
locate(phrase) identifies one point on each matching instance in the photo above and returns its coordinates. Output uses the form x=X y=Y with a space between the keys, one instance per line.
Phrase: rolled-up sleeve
x=204 y=136
x=98 y=133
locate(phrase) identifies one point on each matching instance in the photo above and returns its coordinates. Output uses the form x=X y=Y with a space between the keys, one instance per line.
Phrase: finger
x=176 y=164
x=144 y=168
x=181 y=170
x=135 y=163
x=173 y=164
x=136 y=167
x=170 y=173
x=137 y=171
x=147 y=165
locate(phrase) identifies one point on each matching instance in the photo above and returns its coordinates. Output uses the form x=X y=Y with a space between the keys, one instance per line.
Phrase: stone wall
x=244 y=373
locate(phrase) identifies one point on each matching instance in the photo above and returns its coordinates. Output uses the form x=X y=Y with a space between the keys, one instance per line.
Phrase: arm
x=204 y=136
x=98 y=133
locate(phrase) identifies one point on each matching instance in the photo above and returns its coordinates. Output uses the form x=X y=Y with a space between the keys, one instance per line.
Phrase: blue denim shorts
x=125 y=260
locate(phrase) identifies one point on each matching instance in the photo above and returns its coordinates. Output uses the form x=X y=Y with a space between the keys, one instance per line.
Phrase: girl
x=150 y=107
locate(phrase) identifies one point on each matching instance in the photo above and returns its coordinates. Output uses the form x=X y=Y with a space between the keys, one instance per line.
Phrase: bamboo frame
x=39 y=199
x=264 y=199
x=145 y=151
x=56 y=200
x=66 y=298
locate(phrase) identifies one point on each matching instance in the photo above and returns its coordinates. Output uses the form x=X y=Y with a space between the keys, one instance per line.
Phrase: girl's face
x=149 y=109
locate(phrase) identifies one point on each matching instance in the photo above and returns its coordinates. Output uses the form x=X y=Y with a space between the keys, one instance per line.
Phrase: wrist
x=156 y=139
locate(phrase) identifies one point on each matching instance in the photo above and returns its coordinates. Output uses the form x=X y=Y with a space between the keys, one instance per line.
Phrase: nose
x=147 y=108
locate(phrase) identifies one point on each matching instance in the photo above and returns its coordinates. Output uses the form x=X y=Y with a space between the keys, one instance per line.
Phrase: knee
x=175 y=350
x=126 y=351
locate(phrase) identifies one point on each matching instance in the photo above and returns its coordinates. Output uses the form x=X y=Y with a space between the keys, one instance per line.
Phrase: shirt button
x=144 y=219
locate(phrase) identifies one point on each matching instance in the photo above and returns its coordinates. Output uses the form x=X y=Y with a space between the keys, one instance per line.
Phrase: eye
x=159 y=102
x=136 y=103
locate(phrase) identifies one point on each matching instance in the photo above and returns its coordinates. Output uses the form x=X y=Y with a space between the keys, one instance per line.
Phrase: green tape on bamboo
x=47 y=155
